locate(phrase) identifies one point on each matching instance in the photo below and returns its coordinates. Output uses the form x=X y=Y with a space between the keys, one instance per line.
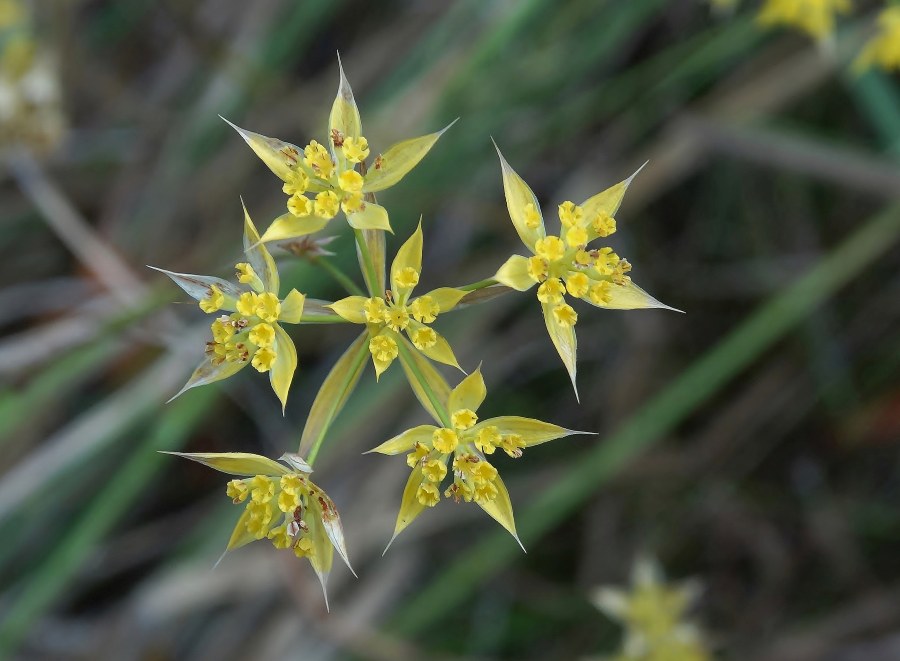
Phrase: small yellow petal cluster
x=280 y=509
x=343 y=188
x=816 y=18
x=249 y=333
x=562 y=264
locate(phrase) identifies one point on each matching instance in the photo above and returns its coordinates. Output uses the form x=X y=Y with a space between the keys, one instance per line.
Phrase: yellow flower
x=388 y=317
x=814 y=17
x=462 y=444
x=252 y=333
x=286 y=507
x=883 y=50
x=330 y=167
x=654 y=615
x=597 y=276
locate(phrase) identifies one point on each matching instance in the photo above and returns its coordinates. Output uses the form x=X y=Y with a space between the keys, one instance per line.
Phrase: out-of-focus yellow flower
x=883 y=50
x=565 y=263
x=30 y=92
x=459 y=449
x=323 y=179
x=816 y=18
x=282 y=505
x=388 y=316
x=251 y=334
x=654 y=615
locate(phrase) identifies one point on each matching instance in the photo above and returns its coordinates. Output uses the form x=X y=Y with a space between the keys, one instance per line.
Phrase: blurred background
x=750 y=444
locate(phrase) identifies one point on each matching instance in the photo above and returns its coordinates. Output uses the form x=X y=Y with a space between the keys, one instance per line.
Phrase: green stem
x=369 y=266
x=432 y=397
x=322 y=319
x=314 y=450
x=481 y=284
x=339 y=276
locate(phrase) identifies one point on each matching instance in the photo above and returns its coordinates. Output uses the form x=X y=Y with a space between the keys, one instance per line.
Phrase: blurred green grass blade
x=111 y=503
x=879 y=101
x=771 y=322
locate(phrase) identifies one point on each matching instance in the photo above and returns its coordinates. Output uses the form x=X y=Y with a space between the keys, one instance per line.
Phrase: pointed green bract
x=258 y=255
x=398 y=160
x=208 y=372
x=292 y=307
x=280 y=157
x=282 y=372
x=410 y=507
x=408 y=257
x=523 y=206
x=414 y=366
x=198 y=286
x=351 y=309
x=344 y=116
x=235 y=463
x=514 y=274
x=500 y=509
x=469 y=394
x=406 y=441
x=289 y=226
x=532 y=432
x=371 y=217
x=333 y=394
x=563 y=338
x=629 y=296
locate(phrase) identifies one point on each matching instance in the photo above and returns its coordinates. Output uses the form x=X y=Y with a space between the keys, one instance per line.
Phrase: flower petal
x=469 y=394
x=514 y=274
x=408 y=256
x=259 y=256
x=207 y=372
x=279 y=156
x=371 y=217
x=500 y=509
x=351 y=309
x=334 y=391
x=629 y=297
x=399 y=159
x=289 y=226
x=414 y=363
x=331 y=521
x=605 y=203
x=292 y=307
x=323 y=552
x=344 y=115
x=563 y=338
x=410 y=507
x=406 y=441
x=197 y=286
x=518 y=197
x=285 y=364
x=440 y=351
x=235 y=463
x=533 y=432
x=447 y=298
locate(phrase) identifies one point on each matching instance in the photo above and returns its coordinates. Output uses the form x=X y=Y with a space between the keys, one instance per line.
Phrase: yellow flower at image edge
x=325 y=178
x=281 y=504
x=459 y=451
x=250 y=333
x=817 y=18
x=396 y=312
x=883 y=50
x=567 y=264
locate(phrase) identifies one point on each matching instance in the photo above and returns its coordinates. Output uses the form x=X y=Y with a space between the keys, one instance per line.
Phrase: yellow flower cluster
x=448 y=459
